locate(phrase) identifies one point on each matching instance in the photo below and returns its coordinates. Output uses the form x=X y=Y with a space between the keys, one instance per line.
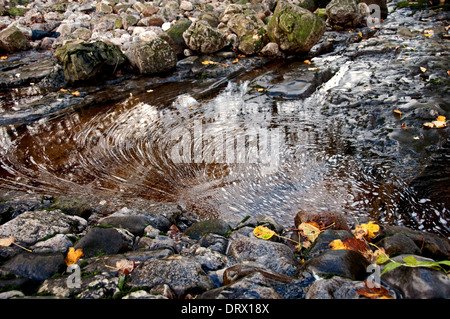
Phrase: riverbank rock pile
x=149 y=37
x=163 y=252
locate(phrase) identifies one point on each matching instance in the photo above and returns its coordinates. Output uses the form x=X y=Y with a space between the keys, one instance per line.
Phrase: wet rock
x=345 y=263
x=294 y=29
x=208 y=258
x=253 y=286
x=335 y=288
x=214 y=226
x=13 y=40
x=58 y=243
x=30 y=227
x=201 y=37
x=182 y=274
x=418 y=282
x=152 y=57
x=176 y=34
x=345 y=13
x=90 y=61
x=322 y=218
x=134 y=224
x=398 y=244
x=156 y=243
x=275 y=256
x=98 y=286
x=35 y=266
x=321 y=244
x=272 y=50
x=73 y=206
x=100 y=240
x=431 y=245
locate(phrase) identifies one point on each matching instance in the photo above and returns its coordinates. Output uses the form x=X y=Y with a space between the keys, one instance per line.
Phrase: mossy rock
x=214 y=226
x=176 y=34
x=294 y=29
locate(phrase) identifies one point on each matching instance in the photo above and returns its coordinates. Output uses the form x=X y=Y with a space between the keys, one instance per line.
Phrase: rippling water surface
x=266 y=143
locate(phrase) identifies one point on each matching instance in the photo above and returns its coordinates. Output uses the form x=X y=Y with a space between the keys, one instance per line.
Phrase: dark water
x=285 y=137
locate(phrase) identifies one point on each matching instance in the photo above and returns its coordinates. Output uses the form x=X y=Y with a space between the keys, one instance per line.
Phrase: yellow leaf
x=5 y=242
x=337 y=244
x=309 y=231
x=263 y=232
x=307 y=62
x=63 y=90
x=191 y=108
x=428 y=34
x=3 y=57
x=207 y=62
x=360 y=34
x=73 y=256
x=423 y=69
x=76 y=93
x=440 y=122
x=372 y=228
x=398 y=112
x=236 y=61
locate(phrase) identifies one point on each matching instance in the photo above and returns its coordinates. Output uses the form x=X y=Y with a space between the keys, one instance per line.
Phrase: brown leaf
x=374 y=293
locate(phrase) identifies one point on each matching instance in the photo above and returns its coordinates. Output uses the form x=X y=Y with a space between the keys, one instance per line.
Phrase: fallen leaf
x=366 y=230
x=423 y=69
x=206 y=62
x=307 y=62
x=309 y=230
x=73 y=256
x=312 y=69
x=337 y=244
x=76 y=93
x=448 y=72
x=440 y=122
x=398 y=112
x=263 y=232
x=3 y=57
x=5 y=242
x=374 y=292
x=360 y=34
x=236 y=61
x=404 y=127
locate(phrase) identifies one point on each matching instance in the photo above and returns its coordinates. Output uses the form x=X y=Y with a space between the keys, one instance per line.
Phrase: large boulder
x=13 y=40
x=250 y=30
x=201 y=37
x=183 y=275
x=345 y=13
x=151 y=57
x=294 y=29
x=89 y=61
x=31 y=227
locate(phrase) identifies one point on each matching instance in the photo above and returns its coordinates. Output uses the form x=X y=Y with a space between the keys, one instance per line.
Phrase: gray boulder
x=30 y=227
x=418 y=282
x=275 y=256
x=152 y=57
x=201 y=37
x=294 y=29
x=13 y=40
x=345 y=13
x=89 y=61
x=182 y=274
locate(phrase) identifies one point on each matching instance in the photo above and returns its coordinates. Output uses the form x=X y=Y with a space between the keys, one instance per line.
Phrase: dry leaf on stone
x=5 y=242
x=73 y=256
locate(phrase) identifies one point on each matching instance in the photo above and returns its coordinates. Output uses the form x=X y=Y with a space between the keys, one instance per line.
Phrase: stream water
x=282 y=137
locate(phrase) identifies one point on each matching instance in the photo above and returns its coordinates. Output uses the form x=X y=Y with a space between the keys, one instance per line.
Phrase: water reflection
x=240 y=152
